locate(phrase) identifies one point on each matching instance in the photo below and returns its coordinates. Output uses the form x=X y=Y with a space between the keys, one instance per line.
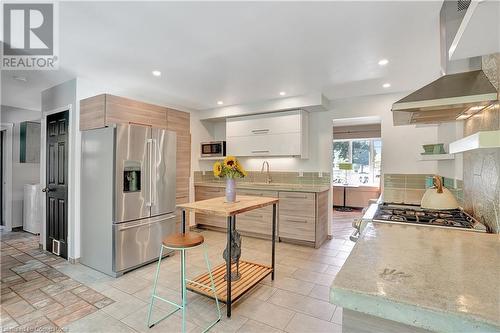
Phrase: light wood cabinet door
x=124 y=110
x=297 y=215
x=204 y=193
x=105 y=110
x=297 y=204
x=297 y=227
x=258 y=221
x=92 y=112
x=361 y=196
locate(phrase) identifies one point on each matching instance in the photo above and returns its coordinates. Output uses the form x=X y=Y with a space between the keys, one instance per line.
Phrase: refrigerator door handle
x=150 y=166
x=153 y=171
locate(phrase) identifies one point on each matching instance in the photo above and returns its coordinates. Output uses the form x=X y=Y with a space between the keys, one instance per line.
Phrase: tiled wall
x=482 y=172
x=409 y=188
x=307 y=178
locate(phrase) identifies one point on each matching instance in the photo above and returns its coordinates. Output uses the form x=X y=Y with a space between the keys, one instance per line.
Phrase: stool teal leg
x=183 y=277
x=212 y=284
x=154 y=287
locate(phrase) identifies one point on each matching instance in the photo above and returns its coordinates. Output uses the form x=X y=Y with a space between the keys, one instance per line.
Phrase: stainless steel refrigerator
x=127 y=195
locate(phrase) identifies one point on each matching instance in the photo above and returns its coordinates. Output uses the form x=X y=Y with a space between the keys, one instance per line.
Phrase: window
x=365 y=156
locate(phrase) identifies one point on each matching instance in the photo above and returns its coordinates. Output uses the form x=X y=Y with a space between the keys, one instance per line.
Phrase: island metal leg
x=183 y=224
x=273 y=241
x=183 y=230
x=228 y=263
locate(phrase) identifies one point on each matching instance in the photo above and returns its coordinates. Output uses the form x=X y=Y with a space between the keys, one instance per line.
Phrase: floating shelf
x=436 y=157
x=483 y=139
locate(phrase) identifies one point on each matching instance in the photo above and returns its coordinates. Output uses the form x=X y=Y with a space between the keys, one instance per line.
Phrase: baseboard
x=74 y=260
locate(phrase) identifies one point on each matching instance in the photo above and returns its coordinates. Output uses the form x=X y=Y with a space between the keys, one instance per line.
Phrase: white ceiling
x=240 y=52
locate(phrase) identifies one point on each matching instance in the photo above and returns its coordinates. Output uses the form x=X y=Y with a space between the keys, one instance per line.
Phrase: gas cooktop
x=454 y=218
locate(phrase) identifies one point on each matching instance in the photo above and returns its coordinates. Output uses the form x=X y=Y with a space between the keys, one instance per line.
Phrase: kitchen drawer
x=297 y=204
x=258 y=221
x=295 y=227
x=264 y=124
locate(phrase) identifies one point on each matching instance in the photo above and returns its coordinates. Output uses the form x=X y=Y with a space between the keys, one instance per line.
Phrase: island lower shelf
x=251 y=274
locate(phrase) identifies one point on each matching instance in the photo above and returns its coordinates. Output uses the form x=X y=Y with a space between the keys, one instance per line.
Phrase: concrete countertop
x=271 y=187
x=435 y=278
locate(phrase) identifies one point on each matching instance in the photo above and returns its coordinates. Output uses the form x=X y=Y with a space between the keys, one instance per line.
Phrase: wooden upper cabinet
x=178 y=121
x=92 y=112
x=104 y=110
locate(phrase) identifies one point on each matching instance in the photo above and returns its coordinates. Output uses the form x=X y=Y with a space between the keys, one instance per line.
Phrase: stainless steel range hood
x=451 y=97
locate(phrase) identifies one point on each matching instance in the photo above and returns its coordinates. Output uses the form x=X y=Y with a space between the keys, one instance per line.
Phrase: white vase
x=230 y=190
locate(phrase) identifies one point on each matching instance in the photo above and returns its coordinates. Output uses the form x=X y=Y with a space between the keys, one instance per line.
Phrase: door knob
x=45 y=189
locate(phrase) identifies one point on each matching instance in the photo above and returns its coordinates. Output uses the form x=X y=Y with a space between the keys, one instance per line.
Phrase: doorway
x=56 y=180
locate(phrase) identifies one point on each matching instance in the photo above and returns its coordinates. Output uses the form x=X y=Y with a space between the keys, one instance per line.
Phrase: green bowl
x=435 y=148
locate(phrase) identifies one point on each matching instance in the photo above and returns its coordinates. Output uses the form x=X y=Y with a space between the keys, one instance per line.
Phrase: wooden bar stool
x=182 y=242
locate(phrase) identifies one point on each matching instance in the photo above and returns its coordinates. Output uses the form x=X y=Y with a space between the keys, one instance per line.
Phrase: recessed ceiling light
x=386 y=85
x=220 y=102
x=282 y=93
x=383 y=62
x=156 y=73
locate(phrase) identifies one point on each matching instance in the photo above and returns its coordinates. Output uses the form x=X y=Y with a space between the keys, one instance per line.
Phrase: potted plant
x=230 y=169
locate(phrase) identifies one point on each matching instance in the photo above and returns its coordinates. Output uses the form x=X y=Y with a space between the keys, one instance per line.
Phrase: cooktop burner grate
x=447 y=218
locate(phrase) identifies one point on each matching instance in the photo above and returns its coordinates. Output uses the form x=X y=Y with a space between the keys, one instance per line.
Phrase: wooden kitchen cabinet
x=303 y=217
x=271 y=134
x=355 y=196
x=256 y=223
x=104 y=110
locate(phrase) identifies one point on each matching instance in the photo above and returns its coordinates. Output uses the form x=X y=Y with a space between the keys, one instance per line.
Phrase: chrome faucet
x=268 y=178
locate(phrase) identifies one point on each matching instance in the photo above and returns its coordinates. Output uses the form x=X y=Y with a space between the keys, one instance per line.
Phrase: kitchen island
x=229 y=287
x=302 y=215
x=415 y=279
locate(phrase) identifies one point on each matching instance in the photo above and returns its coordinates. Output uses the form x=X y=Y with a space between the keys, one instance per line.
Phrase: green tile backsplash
x=409 y=188
x=281 y=177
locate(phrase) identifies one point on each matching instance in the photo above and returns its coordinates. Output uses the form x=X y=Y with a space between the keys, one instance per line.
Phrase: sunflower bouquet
x=229 y=168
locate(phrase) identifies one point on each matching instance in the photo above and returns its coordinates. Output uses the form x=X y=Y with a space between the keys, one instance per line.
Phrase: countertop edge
x=421 y=317
x=306 y=188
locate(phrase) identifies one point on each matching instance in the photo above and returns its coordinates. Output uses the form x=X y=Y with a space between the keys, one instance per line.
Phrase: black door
x=57 y=183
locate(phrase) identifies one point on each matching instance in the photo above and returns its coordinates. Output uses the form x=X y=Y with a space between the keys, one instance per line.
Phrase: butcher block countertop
x=218 y=206
x=435 y=278
x=272 y=186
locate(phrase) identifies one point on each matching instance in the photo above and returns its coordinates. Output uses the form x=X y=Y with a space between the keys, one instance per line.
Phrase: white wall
x=449 y=132
x=22 y=173
x=401 y=145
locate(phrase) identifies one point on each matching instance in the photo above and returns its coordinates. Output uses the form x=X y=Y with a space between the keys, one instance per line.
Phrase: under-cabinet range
x=127 y=195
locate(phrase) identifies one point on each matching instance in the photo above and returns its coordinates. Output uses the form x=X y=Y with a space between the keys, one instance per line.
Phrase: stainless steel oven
x=213 y=149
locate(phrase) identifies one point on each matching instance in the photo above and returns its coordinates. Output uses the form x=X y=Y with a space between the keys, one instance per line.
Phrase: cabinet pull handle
x=296 y=196
x=258 y=131
x=260 y=151
x=296 y=221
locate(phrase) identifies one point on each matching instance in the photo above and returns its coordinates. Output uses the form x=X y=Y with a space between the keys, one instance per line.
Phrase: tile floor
x=42 y=291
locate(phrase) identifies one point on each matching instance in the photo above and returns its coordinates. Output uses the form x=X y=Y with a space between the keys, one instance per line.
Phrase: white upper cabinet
x=271 y=134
